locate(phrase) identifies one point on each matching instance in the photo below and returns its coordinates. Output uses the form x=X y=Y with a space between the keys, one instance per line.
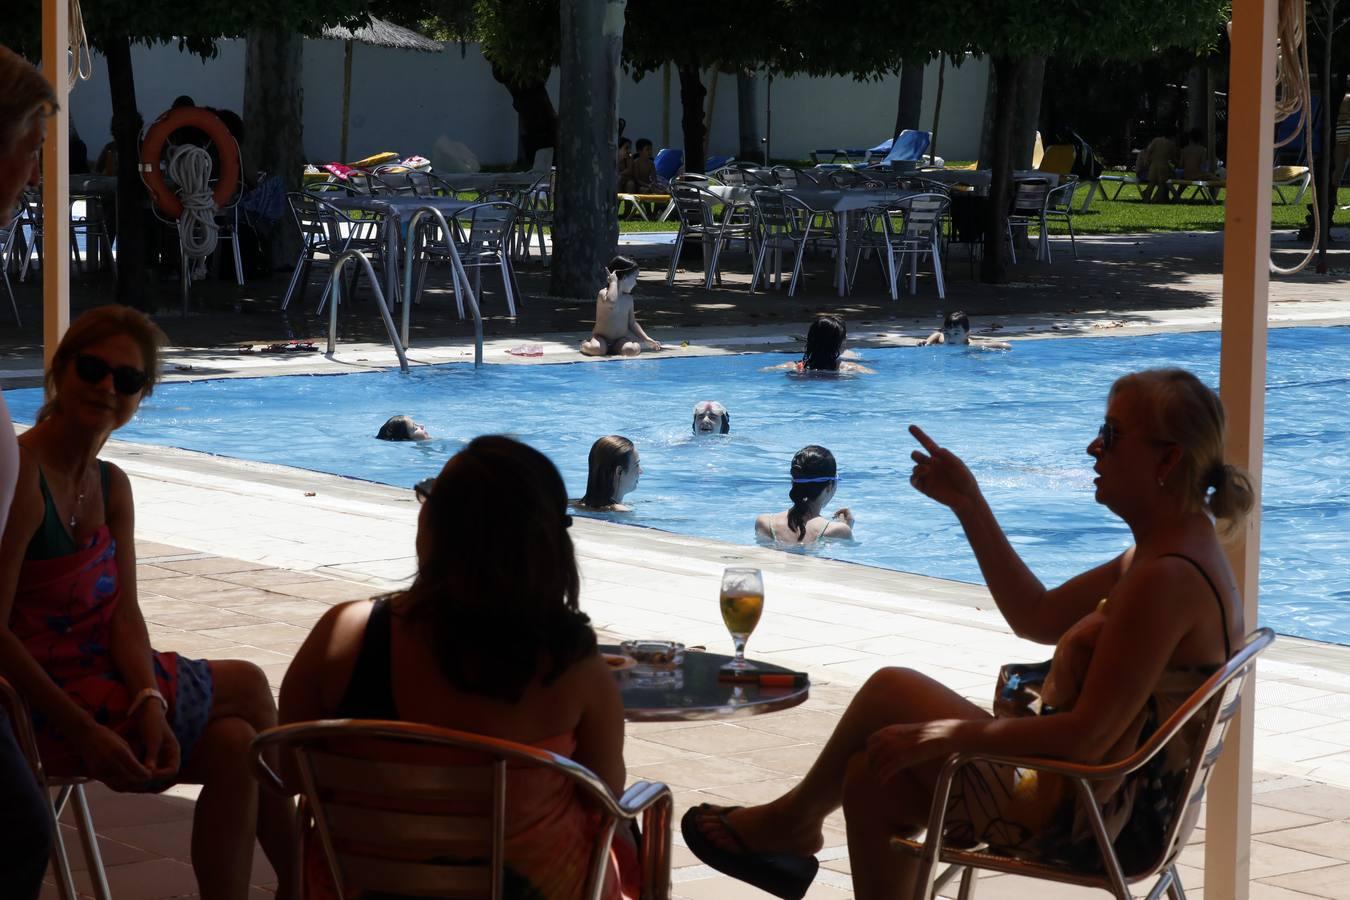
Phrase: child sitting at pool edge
x=617 y=331
x=956 y=332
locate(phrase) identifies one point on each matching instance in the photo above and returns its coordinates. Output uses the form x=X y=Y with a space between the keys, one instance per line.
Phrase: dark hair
x=1184 y=409
x=397 y=428
x=508 y=500
x=625 y=142
x=182 y=100
x=622 y=265
x=812 y=461
x=607 y=454
x=641 y=143
x=956 y=319
x=824 y=344
x=97 y=325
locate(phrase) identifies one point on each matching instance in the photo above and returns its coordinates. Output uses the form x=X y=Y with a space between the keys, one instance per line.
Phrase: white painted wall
x=405 y=101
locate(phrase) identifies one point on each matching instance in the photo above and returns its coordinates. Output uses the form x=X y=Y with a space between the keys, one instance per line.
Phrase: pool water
x=1020 y=419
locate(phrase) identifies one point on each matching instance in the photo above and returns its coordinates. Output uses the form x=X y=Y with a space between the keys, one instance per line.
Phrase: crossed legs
x=841 y=776
x=232 y=808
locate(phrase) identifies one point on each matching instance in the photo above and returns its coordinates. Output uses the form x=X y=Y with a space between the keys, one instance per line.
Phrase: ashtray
x=655 y=656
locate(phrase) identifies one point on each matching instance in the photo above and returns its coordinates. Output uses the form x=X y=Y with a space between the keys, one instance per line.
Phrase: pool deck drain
x=238 y=559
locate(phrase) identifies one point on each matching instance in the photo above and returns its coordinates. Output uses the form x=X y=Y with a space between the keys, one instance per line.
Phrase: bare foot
x=762 y=829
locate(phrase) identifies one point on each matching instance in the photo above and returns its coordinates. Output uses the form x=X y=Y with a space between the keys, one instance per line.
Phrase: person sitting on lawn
x=1155 y=168
x=617 y=331
x=642 y=176
x=1195 y=157
x=956 y=333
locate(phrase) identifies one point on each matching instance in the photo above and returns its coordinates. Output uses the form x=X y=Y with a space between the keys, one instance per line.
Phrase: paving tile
x=1330 y=839
x=328 y=590
x=702 y=772
x=1267 y=859
x=117 y=810
x=1271 y=818
x=1332 y=883
x=719 y=738
x=113 y=852
x=150 y=880
x=268 y=578
x=1311 y=800
x=212 y=565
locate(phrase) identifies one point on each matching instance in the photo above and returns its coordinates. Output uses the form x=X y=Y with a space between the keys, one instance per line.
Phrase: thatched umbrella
x=378 y=33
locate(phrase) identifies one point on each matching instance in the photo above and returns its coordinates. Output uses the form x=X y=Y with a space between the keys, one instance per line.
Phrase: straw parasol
x=378 y=33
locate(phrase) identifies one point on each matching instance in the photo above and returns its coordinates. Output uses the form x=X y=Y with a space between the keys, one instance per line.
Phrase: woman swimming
x=613 y=472
x=824 y=353
x=814 y=479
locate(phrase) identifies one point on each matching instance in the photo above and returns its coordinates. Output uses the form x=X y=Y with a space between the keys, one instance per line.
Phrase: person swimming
x=956 y=333
x=614 y=470
x=815 y=477
x=824 y=353
x=402 y=428
x=711 y=417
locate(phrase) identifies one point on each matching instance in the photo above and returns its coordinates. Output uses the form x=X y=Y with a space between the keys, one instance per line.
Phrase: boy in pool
x=956 y=332
x=617 y=331
x=711 y=417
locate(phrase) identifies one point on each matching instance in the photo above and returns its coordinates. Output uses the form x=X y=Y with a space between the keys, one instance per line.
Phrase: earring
x=1160 y=483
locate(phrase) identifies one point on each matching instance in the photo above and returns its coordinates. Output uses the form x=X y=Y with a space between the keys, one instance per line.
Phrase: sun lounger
x=1297 y=177
x=848 y=155
x=1206 y=188
x=1120 y=180
x=646 y=206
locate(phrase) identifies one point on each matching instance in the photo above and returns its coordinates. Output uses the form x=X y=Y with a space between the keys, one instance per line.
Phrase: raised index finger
x=928 y=443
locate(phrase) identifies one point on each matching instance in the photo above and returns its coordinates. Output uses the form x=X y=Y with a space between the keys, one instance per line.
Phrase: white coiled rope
x=190 y=170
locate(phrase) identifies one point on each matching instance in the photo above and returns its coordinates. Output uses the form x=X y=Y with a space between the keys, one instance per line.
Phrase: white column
x=1242 y=378
x=56 y=179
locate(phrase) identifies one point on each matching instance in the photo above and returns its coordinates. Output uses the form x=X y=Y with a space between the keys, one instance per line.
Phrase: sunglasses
x=126 y=379
x=1109 y=433
x=423 y=489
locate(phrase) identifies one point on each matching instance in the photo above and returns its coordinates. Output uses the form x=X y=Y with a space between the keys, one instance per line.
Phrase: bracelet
x=144 y=695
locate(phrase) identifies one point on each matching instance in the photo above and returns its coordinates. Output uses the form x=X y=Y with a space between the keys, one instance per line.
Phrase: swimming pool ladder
x=461 y=280
x=335 y=285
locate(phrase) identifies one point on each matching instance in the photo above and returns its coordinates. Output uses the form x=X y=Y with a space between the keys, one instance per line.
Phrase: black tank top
x=370 y=693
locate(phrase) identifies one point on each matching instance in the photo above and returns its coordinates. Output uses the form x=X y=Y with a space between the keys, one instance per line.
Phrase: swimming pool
x=1021 y=420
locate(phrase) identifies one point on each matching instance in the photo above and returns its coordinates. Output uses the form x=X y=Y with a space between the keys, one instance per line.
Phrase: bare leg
x=630 y=348
x=231 y=808
x=792 y=823
x=873 y=812
x=593 y=346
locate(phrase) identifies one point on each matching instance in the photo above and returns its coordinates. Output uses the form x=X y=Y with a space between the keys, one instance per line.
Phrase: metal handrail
x=461 y=279
x=335 y=285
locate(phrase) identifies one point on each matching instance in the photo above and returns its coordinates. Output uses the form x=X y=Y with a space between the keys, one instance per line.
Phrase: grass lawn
x=1129 y=215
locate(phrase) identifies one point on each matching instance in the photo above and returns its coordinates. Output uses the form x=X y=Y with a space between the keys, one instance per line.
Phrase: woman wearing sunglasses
x=1133 y=638
x=106 y=705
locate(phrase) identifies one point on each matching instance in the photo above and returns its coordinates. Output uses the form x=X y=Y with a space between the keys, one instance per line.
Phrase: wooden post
x=56 y=179
x=346 y=100
x=1242 y=377
x=665 y=106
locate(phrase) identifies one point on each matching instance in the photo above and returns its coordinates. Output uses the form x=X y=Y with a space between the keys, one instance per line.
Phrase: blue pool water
x=1020 y=419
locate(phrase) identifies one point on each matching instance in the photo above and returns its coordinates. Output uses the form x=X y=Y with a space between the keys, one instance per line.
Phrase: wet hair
x=824 y=344
x=642 y=143
x=182 y=100
x=812 y=461
x=623 y=266
x=956 y=319
x=1182 y=408
x=97 y=325
x=607 y=454
x=25 y=96
x=397 y=428
x=493 y=498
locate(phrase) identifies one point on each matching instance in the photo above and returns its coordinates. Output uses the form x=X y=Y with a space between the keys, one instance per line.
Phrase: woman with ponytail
x=1133 y=638
x=814 y=479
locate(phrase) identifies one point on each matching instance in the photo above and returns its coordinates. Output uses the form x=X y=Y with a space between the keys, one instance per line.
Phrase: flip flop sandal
x=780 y=874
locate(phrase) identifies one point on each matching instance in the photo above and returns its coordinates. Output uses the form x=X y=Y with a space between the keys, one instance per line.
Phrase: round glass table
x=693 y=691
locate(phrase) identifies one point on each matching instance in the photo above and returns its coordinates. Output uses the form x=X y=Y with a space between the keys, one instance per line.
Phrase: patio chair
x=536 y=214
x=784 y=223
x=1028 y=206
x=328 y=231
x=1059 y=205
x=694 y=204
x=484 y=233
x=8 y=238
x=67 y=789
x=94 y=225
x=1296 y=177
x=1209 y=712
x=401 y=808
x=902 y=235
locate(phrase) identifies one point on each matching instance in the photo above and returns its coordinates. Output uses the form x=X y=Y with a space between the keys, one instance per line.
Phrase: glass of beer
x=742 y=604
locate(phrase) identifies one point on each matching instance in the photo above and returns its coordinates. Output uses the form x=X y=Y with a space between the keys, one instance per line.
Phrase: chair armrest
x=641 y=796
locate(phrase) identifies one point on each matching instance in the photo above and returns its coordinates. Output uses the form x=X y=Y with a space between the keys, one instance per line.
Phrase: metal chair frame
x=377 y=813
x=1029 y=202
x=67 y=789
x=1059 y=204
x=8 y=237
x=782 y=220
x=694 y=204
x=331 y=231
x=918 y=233
x=1217 y=701
x=484 y=235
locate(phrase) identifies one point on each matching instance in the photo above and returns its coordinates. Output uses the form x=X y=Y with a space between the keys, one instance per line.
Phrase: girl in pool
x=614 y=470
x=955 y=332
x=824 y=354
x=814 y=479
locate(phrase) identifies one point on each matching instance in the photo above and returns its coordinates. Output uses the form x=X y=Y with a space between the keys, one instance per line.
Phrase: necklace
x=79 y=504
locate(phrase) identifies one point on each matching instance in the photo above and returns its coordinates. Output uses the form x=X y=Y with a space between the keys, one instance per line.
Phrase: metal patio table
x=692 y=692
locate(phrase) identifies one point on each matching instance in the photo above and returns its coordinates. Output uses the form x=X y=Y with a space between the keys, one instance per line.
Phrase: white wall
x=404 y=101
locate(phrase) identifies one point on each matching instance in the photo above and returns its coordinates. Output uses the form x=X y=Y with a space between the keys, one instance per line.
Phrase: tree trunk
x=747 y=113
x=274 y=131
x=1324 y=194
x=911 y=96
x=987 y=123
x=1028 y=112
x=1007 y=77
x=132 y=279
x=1197 y=87
x=937 y=107
x=695 y=128
x=585 y=216
x=537 y=118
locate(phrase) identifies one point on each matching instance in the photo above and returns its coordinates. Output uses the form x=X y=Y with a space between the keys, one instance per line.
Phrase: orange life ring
x=155 y=137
